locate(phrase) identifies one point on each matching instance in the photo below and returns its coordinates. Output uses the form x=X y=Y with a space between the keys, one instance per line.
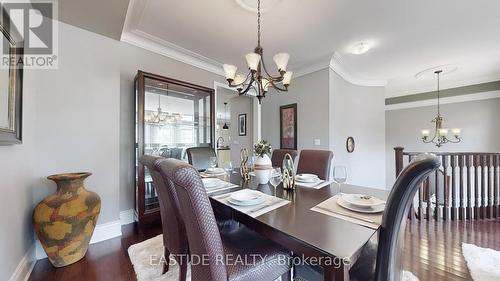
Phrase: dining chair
x=381 y=260
x=199 y=157
x=174 y=234
x=316 y=162
x=279 y=154
x=205 y=239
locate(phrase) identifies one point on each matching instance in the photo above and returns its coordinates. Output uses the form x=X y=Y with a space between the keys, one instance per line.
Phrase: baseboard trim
x=102 y=232
x=127 y=216
x=25 y=266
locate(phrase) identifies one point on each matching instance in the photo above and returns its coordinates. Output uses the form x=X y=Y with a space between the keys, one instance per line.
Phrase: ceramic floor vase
x=263 y=167
x=64 y=221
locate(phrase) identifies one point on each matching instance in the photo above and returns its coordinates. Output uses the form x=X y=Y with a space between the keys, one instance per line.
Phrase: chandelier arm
x=278 y=88
x=270 y=77
x=248 y=86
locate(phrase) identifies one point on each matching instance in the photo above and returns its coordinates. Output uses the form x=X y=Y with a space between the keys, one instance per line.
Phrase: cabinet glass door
x=175 y=116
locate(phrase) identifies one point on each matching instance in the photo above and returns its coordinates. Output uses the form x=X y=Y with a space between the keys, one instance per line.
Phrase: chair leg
x=183 y=269
x=287 y=276
x=166 y=254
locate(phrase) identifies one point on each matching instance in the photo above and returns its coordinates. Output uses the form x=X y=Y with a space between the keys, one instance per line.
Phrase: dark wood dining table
x=305 y=232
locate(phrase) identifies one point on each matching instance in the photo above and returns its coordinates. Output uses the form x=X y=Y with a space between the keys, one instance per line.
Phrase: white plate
x=253 y=202
x=246 y=195
x=361 y=200
x=210 y=182
x=307 y=178
x=371 y=210
x=214 y=171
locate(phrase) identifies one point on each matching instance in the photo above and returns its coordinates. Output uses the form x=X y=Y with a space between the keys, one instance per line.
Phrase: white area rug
x=483 y=263
x=145 y=257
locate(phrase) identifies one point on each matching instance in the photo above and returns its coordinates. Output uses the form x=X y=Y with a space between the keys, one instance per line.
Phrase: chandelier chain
x=258 y=23
x=438 y=95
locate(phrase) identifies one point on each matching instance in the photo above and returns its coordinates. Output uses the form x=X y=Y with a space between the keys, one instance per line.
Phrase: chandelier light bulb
x=239 y=79
x=456 y=131
x=281 y=60
x=443 y=132
x=426 y=133
x=230 y=71
x=253 y=60
x=265 y=84
x=287 y=77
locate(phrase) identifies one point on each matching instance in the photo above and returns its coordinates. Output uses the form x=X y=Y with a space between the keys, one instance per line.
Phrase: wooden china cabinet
x=170 y=116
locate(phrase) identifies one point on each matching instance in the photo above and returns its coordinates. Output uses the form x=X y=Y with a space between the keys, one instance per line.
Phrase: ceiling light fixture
x=440 y=135
x=360 y=47
x=258 y=78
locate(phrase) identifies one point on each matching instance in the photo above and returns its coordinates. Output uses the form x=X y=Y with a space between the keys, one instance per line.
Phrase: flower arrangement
x=262 y=147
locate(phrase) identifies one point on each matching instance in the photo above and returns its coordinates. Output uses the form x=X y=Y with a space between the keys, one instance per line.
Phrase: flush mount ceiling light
x=258 y=77
x=360 y=47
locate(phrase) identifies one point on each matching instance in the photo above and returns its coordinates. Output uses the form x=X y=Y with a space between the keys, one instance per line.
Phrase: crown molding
x=138 y=38
x=447 y=100
x=337 y=65
x=156 y=45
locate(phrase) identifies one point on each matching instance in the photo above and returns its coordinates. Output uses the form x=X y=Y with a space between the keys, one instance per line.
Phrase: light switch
x=317 y=142
x=236 y=142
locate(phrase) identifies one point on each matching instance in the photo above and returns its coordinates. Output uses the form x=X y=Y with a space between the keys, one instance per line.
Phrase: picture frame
x=288 y=126
x=242 y=124
x=350 y=144
x=11 y=90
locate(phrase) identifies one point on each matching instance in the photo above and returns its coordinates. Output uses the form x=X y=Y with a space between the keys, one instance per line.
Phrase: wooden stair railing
x=466 y=187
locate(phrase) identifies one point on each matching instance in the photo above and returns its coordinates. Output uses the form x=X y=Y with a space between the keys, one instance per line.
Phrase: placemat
x=330 y=207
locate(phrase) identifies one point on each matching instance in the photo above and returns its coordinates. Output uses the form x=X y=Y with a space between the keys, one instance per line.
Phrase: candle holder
x=288 y=172
x=244 y=171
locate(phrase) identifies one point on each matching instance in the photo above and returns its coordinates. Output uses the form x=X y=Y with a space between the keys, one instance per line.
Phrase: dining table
x=308 y=234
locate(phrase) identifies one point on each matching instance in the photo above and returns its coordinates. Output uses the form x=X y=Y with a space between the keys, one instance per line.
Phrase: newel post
x=399 y=159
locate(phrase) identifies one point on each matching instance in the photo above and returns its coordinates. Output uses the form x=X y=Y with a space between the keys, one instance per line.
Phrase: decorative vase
x=64 y=221
x=263 y=167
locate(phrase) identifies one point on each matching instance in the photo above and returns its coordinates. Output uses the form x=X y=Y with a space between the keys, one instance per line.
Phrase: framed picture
x=288 y=126
x=242 y=124
x=11 y=84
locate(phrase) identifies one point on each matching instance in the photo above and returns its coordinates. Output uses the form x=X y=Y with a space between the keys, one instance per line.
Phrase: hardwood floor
x=432 y=252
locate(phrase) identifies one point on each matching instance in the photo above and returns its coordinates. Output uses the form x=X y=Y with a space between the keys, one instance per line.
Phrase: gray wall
x=358 y=111
x=311 y=94
x=477 y=119
x=71 y=118
x=240 y=105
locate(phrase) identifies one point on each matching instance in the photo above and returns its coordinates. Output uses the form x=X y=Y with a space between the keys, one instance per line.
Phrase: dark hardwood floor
x=432 y=252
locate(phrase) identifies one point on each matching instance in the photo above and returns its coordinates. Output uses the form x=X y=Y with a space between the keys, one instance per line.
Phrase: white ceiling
x=410 y=36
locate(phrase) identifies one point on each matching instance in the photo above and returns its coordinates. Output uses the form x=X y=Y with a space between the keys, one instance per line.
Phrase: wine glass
x=276 y=179
x=340 y=175
x=229 y=168
x=212 y=162
x=250 y=163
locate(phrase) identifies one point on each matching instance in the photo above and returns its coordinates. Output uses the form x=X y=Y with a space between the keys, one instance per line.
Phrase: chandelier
x=159 y=117
x=440 y=134
x=258 y=77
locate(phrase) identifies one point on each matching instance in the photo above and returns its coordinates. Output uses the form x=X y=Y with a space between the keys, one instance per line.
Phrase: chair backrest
x=201 y=227
x=279 y=154
x=174 y=233
x=199 y=157
x=391 y=232
x=316 y=162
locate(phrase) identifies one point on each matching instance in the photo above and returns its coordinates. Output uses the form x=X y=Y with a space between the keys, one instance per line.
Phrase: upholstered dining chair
x=316 y=162
x=206 y=241
x=199 y=157
x=174 y=234
x=279 y=154
x=381 y=260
